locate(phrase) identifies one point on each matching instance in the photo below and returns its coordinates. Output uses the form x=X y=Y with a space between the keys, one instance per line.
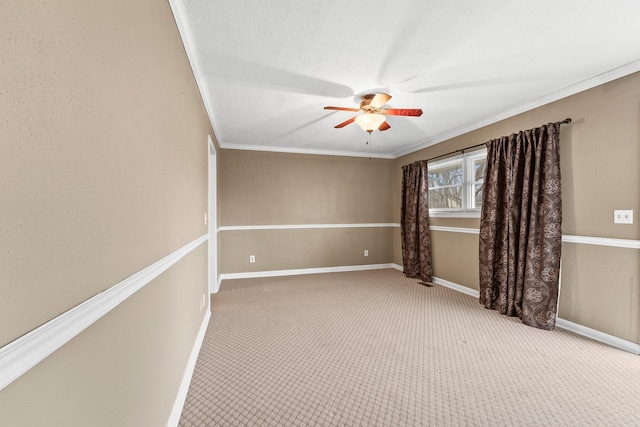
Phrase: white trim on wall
x=566 y=238
x=560 y=323
x=212 y=209
x=602 y=241
x=447 y=214
x=300 y=271
x=598 y=80
x=455 y=229
x=456 y=287
x=24 y=353
x=184 y=28
x=178 y=405
x=593 y=334
x=305 y=226
x=296 y=150
x=596 y=335
x=397 y=267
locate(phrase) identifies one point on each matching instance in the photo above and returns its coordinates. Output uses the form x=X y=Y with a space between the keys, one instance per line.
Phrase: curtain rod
x=563 y=122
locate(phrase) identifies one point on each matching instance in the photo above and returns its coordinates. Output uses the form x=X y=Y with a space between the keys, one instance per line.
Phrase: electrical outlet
x=206 y=220
x=366 y=252
x=252 y=258
x=623 y=217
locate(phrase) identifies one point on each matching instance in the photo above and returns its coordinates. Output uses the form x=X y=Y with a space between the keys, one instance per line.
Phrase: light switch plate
x=623 y=217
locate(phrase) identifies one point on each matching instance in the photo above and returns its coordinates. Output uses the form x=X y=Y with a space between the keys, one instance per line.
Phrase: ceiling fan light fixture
x=370 y=121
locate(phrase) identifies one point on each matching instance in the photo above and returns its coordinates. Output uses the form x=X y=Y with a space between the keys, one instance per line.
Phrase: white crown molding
x=184 y=29
x=600 y=79
x=590 y=83
x=305 y=226
x=24 y=353
x=178 y=405
x=294 y=150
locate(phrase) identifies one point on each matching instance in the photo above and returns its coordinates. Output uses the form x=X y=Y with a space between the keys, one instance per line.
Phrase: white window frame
x=468 y=186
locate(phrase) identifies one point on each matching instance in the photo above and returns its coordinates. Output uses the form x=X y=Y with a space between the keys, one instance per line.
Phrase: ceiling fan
x=373 y=116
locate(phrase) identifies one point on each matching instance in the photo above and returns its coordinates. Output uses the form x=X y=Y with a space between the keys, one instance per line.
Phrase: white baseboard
x=599 y=336
x=297 y=272
x=188 y=373
x=456 y=287
x=560 y=323
x=447 y=284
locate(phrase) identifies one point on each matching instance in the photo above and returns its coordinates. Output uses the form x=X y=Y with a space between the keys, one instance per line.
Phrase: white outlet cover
x=623 y=216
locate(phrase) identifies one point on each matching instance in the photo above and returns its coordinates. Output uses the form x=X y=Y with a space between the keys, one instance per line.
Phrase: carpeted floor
x=373 y=348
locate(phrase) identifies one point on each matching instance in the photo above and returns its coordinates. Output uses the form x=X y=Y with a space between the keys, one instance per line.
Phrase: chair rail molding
x=304 y=226
x=566 y=238
x=24 y=353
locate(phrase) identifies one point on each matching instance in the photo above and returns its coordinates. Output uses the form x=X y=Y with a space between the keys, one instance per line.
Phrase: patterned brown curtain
x=414 y=222
x=520 y=226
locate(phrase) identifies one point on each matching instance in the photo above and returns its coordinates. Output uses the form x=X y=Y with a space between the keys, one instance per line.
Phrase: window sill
x=466 y=214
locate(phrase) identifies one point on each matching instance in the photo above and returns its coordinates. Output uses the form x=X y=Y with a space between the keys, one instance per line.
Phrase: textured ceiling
x=266 y=69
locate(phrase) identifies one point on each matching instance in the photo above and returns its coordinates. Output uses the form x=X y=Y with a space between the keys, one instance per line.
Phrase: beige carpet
x=373 y=348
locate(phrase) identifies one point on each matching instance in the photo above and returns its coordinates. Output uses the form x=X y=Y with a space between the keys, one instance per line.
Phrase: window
x=455 y=185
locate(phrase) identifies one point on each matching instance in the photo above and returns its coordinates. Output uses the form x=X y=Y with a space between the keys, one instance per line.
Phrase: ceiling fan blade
x=346 y=122
x=379 y=100
x=341 y=109
x=384 y=126
x=404 y=112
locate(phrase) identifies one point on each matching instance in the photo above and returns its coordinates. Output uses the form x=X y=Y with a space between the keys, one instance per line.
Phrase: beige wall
x=103 y=172
x=306 y=248
x=123 y=370
x=600 y=161
x=262 y=188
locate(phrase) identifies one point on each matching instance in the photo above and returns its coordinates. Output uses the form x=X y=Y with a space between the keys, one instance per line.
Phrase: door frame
x=213 y=218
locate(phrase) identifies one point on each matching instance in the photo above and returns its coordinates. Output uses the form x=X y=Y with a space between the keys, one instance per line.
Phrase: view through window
x=455 y=184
